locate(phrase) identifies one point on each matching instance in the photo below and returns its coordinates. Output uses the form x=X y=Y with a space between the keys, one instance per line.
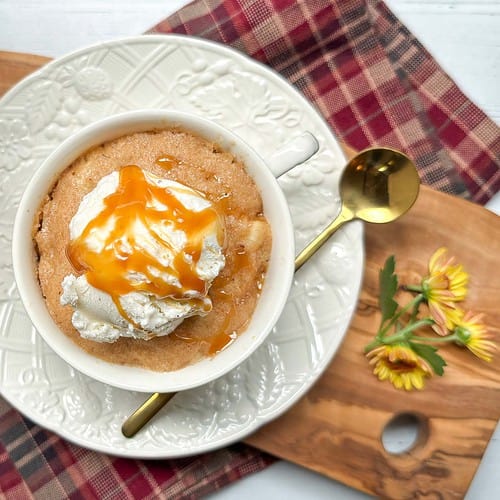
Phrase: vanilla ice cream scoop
x=146 y=251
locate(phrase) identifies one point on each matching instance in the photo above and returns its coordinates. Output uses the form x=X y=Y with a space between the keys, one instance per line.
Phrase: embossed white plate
x=187 y=74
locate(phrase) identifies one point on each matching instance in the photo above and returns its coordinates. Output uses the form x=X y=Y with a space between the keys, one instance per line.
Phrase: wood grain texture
x=15 y=66
x=336 y=428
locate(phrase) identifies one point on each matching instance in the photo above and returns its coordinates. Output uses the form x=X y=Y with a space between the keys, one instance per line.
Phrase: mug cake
x=152 y=249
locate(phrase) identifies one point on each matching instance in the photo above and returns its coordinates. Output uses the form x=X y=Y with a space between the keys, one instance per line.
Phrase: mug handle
x=293 y=153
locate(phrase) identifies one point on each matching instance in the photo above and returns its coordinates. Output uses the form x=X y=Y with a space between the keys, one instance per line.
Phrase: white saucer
x=186 y=74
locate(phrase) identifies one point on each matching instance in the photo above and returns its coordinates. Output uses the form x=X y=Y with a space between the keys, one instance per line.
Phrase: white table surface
x=464 y=37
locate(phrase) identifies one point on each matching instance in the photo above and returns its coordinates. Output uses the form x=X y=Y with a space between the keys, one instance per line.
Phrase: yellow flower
x=473 y=334
x=445 y=316
x=399 y=364
x=445 y=285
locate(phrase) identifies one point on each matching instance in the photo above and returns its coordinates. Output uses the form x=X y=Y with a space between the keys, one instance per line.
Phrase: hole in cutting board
x=402 y=433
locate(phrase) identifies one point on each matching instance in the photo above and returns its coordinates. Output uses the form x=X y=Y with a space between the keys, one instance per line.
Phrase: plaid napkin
x=376 y=85
x=368 y=76
x=36 y=463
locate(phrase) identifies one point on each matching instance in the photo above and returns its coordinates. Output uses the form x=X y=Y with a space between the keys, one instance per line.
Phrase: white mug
x=278 y=277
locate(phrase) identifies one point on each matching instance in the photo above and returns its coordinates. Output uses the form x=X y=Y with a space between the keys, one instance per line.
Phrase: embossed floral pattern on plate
x=223 y=85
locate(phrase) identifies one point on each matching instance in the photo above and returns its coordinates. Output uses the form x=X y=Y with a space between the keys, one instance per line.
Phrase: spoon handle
x=145 y=412
x=319 y=240
x=156 y=401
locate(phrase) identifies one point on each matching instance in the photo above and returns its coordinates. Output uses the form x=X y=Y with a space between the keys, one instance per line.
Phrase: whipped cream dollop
x=146 y=250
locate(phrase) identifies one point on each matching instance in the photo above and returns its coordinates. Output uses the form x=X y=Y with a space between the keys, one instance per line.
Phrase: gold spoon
x=378 y=185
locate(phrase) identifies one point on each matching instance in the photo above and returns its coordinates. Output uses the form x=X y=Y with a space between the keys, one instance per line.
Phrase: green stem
x=414 y=303
x=375 y=343
x=414 y=313
x=448 y=338
x=402 y=336
x=413 y=288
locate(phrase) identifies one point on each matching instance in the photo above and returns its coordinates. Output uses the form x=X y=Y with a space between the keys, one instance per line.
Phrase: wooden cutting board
x=336 y=428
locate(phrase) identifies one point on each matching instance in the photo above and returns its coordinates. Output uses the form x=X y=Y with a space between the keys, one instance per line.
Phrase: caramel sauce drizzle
x=133 y=207
x=167 y=161
x=226 y=335
x=132 y=204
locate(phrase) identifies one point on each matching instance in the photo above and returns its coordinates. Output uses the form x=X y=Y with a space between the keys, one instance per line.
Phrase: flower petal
x=399 y=364
x=435 y=259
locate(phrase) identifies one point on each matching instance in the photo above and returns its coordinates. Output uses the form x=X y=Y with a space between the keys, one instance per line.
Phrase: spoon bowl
x=377 y=185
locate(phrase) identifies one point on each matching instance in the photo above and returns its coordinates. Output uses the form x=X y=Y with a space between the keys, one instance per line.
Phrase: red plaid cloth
x=36 y=463
x=375 y=84
x=368 y=76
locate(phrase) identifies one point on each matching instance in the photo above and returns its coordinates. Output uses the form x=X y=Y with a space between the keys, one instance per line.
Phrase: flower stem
x=403 y=335
x=414 y=303
x=448 y=338
x=413 y=288
x=414 y=313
